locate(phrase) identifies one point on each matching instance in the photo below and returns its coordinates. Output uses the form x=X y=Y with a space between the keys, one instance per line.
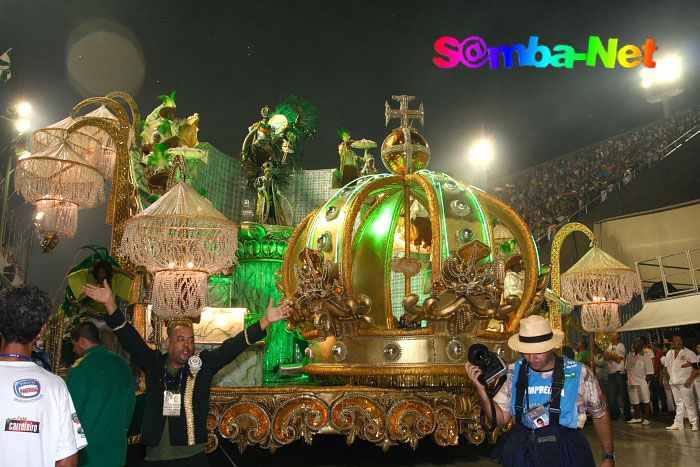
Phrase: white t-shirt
x=39 y=422
x=638 y=367
x=616 y=351
x=601 y=368
x=674 y=365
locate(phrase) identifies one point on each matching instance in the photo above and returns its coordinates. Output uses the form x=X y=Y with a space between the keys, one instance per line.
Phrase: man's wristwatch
x=609 y=457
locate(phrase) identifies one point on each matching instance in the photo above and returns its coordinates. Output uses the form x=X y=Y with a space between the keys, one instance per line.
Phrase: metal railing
x=671 y=275
x=657 y=157
x=15 y=245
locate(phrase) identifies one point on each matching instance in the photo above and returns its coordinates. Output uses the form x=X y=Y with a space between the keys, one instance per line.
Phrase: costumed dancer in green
x=178 y=383
x=118 y=280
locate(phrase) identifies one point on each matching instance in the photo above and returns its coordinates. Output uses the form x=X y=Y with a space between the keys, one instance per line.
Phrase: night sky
x=228 y=59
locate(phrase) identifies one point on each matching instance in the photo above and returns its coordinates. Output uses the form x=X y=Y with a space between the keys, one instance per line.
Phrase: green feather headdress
x=168 y=101
x=300 y=114
x=344 y=133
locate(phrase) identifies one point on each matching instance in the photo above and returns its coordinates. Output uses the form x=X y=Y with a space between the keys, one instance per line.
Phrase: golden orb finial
x=404 y=150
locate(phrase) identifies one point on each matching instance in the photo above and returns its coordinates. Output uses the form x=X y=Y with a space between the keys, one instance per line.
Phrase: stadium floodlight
x=481 y=153
x=22 y=125
x=663 y=82
x=24 y=109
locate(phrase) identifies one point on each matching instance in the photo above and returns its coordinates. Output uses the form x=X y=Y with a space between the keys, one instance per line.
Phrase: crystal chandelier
x=58 y=182
x=93 y=144
x=108 y=153
x=182 y=239
x=599 y=283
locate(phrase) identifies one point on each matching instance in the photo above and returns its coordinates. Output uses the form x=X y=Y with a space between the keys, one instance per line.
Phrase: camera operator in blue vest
x=549 y=396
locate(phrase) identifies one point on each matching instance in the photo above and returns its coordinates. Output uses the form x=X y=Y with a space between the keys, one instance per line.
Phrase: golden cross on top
x=403 y=113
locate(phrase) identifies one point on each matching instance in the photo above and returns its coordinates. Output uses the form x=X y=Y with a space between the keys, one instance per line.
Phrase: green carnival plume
x=168 y=101
x=344 y=133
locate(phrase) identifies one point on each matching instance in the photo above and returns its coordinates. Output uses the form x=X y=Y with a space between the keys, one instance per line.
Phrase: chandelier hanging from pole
x=108 y=151
x=59 y=182
x=182 y=239
x=83 y=142
x=599 y=283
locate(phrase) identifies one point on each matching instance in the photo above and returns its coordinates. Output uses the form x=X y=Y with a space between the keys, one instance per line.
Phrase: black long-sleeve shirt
x=153 y=363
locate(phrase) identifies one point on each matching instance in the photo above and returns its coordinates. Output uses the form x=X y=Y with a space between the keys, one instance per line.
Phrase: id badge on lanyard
x=172 y=400
x=171 y=403
x=538 y=417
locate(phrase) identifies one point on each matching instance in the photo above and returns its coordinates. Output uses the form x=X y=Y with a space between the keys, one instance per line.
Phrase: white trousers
x=685 y=404
x=669 y=399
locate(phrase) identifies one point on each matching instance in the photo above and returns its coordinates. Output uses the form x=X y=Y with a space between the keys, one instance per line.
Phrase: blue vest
x=540 y=392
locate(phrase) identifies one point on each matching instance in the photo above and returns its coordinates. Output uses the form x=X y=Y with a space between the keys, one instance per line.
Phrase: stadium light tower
x=663 y=82
x=480 y=155
x=18 y=116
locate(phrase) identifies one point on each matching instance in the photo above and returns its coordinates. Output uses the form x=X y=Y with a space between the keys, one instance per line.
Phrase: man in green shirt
x=102 y=388
x=583 y=355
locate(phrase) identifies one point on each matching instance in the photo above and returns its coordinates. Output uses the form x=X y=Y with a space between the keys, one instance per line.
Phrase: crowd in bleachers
x=548 y=194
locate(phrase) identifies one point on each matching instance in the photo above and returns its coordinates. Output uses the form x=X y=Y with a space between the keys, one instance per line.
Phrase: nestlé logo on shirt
x=27 y=390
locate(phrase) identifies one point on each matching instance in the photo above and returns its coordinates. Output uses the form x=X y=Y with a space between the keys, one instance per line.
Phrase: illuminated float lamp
x=600 y=316
x=83 y=141
x=55 y=216
x=599 y=283
x=59 y=183
x=182 y=239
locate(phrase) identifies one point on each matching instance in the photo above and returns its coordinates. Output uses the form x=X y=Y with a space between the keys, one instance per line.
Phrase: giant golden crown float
x=391 y=250
x=392 y=279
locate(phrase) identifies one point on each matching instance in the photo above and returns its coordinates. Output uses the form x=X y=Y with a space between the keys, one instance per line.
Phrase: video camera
x=493 y=368
x=491 y=365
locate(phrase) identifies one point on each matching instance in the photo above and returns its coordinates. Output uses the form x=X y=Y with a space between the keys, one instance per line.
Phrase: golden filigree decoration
x=276 y=416
x=464 y=290
x=511 y=304
x=447 y=431
x=286 y=283
x=245 y=423
x=410 y=420
x=321 y=298
x=470 y=424
x=299 y=416
x=359 y=415
x=189 y=408
x=517 y=225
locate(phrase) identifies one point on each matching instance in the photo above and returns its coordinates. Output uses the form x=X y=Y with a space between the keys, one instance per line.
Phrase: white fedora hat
x=536 y=336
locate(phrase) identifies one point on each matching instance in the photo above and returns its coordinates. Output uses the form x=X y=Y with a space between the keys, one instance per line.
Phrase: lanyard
x=165 y=377
x=14 y=355
x=527 y=392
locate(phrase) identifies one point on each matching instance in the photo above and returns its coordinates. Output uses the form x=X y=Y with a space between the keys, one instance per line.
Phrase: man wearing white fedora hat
x=545 y=389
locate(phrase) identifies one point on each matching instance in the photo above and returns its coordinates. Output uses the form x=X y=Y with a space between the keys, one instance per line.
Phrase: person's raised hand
x=99 y=294
x=102 y=295
x=275 y=313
